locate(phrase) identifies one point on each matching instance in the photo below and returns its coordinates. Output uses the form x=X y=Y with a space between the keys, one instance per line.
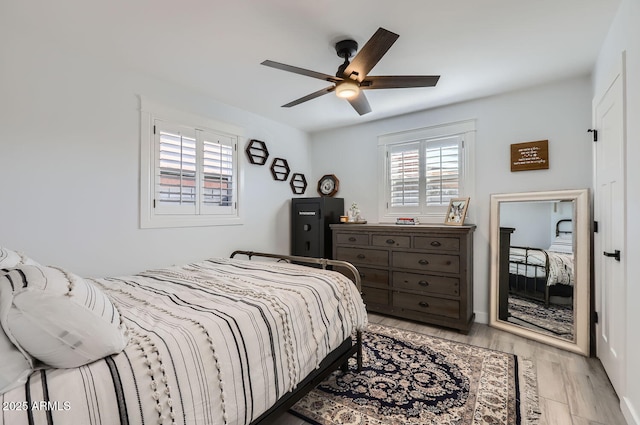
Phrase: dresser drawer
x=363 y=256
x=375 y=295
x=435 y=242
x=374 y=277
x=426 y=304
x=428 y=262
x=352 y=239
x=426 y=283
x=391 y=241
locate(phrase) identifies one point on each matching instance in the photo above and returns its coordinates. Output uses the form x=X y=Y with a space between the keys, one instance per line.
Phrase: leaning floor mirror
x=540 y=266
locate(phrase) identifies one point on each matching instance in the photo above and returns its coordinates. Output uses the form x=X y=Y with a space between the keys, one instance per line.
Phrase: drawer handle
x=435 y=243
x=352 y=239
x=423 y=262
x=361 y=256
x=423 y=304
x=423 y=283
x=390 y=241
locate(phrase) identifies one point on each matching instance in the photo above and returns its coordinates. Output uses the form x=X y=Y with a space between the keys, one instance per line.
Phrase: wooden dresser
x=422 y=272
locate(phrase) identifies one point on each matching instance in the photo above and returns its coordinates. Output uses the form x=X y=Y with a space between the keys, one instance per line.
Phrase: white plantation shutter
x=195 y=171
x=190 y=170
x=175 y=170
x=421 y=170
x=423 y=174
x=442 y=170
x=404 y=171
x=218 y=182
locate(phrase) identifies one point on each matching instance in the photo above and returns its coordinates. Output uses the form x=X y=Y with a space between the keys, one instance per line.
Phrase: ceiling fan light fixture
x=347 y=90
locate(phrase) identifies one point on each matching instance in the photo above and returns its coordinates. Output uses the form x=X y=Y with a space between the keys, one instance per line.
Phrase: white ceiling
x=479 y=47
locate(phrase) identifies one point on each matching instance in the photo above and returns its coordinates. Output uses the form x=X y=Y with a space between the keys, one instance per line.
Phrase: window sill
x=159 y=222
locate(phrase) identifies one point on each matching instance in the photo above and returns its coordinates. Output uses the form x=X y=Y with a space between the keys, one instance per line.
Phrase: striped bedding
x=215 y=342
x=560 y=265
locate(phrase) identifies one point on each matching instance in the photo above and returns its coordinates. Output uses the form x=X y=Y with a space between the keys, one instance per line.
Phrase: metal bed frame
x=529 y=286
x=338 y=358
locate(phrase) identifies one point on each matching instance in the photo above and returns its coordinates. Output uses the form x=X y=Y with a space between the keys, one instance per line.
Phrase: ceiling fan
x=351 y=78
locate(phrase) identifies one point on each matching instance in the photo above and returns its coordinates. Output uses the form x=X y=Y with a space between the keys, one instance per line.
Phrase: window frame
x=150 y=217
x=424 y=213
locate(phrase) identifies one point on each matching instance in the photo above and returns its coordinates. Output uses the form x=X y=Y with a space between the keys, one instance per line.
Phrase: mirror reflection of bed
x=537 y=266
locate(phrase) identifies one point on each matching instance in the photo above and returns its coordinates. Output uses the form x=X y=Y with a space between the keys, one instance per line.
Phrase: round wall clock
x=328 y=185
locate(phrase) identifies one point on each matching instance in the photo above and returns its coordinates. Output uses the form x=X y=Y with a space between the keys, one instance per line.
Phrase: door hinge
x=154 y=129
x=594 y=317
x=154 y=203
x=595 y=227
x=595 y=134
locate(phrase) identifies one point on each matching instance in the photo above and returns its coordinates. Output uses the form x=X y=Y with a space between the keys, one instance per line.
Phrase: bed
x=539 y=273
x=222 y=341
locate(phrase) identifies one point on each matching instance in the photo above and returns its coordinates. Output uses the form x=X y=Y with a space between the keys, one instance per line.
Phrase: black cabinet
x=310 y=220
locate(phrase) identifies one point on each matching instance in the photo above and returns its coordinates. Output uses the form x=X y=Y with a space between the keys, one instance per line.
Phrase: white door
x=609 y=241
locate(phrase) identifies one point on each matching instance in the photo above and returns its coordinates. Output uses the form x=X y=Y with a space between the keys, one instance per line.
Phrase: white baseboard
x=630 y=414
x=482 y=317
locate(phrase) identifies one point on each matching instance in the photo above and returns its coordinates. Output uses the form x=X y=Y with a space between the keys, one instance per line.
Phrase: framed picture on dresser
x=457 y=211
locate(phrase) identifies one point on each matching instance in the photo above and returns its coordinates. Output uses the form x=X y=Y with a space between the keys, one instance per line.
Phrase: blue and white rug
x=415 y=379
x=555 y=320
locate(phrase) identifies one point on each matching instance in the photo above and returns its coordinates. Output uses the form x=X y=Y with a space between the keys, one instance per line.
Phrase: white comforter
x=216 y=342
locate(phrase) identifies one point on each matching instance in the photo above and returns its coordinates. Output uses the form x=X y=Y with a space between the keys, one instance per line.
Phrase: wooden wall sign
x=530 y=156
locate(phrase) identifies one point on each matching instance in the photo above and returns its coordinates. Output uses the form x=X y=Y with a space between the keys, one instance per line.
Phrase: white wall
x=69 y=166
x=624 y=35
x=531 y=221
x=558 y=112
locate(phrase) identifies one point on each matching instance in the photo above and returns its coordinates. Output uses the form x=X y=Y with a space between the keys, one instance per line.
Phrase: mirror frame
x=582 y=267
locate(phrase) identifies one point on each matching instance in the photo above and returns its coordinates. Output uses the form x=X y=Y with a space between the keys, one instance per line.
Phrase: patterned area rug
x=555 y=320
x=414 y=379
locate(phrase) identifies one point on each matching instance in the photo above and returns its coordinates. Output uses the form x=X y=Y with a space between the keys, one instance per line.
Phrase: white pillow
x=562 y=244
x=59 y=318
x=14 y=367
x=10 y=258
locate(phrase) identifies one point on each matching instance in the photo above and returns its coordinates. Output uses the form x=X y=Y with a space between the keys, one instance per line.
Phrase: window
x=422 y=170
x=190 y=171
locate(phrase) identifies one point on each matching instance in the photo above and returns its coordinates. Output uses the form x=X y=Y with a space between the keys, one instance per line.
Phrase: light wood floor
x=573 y=390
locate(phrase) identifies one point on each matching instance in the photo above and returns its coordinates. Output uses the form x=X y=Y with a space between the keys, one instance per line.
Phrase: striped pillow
x=58 y=317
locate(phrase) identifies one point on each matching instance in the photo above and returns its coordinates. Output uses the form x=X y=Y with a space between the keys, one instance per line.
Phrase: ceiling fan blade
x=301 y=71
x=360 y=104
x=310 y=96
x=399 y=81
x=370 y=54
